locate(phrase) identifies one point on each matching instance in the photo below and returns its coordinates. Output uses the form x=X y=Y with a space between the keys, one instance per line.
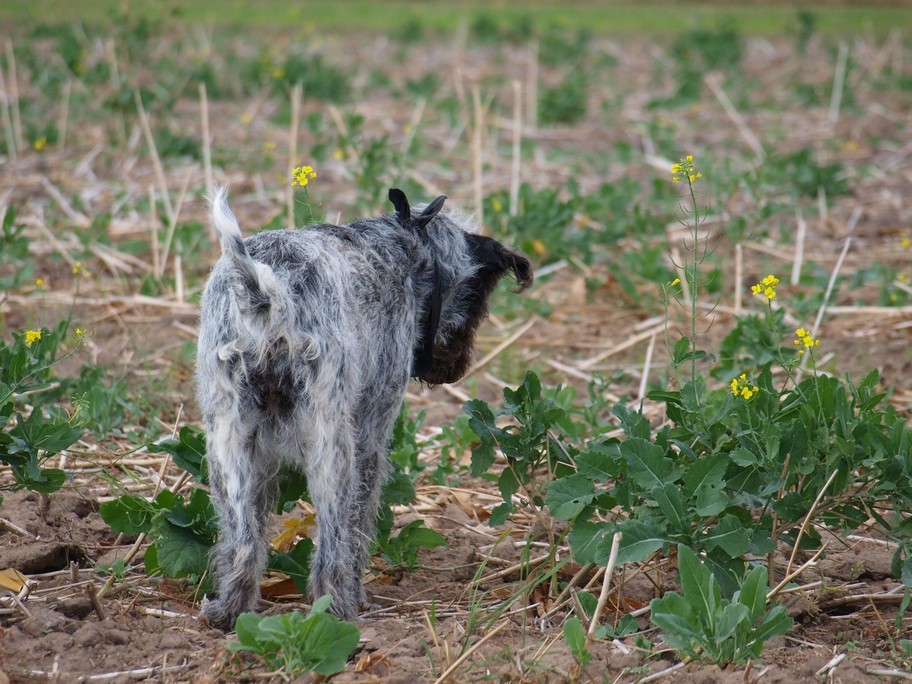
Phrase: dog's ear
x=521 y=267
x=401 y=204
x=430 y=211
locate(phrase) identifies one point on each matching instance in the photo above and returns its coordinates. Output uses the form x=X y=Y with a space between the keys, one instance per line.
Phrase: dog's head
x=465 y=269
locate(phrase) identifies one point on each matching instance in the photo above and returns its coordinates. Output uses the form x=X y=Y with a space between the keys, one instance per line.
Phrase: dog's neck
x=424 y=356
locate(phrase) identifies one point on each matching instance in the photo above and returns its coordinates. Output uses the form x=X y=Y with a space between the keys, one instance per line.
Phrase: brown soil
x=148 y=628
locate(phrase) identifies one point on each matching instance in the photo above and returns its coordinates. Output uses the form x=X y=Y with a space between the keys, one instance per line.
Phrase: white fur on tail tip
x=226 y=225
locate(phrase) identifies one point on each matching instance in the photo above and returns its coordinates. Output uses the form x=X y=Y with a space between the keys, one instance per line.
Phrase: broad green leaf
x=647 y=464
x=639 y=542
x=575 y=636
x=599 y=465
x=753 y=592
x=731 y=617
x=568 y=496
x=247 y=627
x=742 y=457
x=188 y=451
x=129 y=514
x=710 y=500
x=706 y=472
x=776 y=623
x=729 y=536
x=697 y=585
x=181 y=552
x=671 y=503
x=585 y=539
x=329 y=643
x=294 y=563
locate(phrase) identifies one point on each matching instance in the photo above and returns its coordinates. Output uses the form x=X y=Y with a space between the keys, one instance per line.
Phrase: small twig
x=296 y=95
x=655 y=676
x=516 y=165
x=606 y=583
x=798 y=259
x=14 y=94
x=830 y=666
x=788 y=578
x=883 y=672
x=743 y=129
x=477 y=164
x=647 y=364
x=96 y=604
x=807 y=519
x=494 y=353
x=7 y=120
x=12 y=527
x=739 y=276
x=207 y=146
x=838 y=81
x=153 y=151
x=465 y=656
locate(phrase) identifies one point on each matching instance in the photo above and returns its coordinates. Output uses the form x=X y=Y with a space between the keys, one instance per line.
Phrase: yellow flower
x=338 y=154
x=278 y=73
x=806 y=339
x=302 y=175
x=676 y=281
x=246 y=118
x=39 y=283
x=32 y=336
x=685 y=168
x=766 y=287
x=743 y=387
x=79 y=269
x=539 y=247
x=496 y=205
x=906 y=243
x=79 y=333
x=40 y=143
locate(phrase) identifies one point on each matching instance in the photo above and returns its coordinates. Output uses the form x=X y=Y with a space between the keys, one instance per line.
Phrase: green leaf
x=710 y=500
x=639 y=542
x=188 y=451
x=331 y=642
x=729 y=536
x=247 y=627
x=732 y=616
x=586 y=538
x=575 y=636
x=742 y=457
x=600 y=464
x=647 y=464
x=697 y=585
x=294 y=563
x=568 y=496
x=776 y=623
x=753 y=592
x=671 y=503
x=129 y=514
x=706 y=472
x=181 y=552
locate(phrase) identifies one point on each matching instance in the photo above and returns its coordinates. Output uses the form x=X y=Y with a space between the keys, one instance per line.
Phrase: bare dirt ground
x=147 y=628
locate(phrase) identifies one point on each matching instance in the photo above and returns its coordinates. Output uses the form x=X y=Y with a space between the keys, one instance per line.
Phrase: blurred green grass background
x=603 y=17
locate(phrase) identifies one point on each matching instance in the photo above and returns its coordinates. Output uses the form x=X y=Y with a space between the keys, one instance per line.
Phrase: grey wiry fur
x=307 y=340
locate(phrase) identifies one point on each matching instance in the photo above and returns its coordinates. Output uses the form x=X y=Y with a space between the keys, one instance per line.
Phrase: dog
x=307 y=341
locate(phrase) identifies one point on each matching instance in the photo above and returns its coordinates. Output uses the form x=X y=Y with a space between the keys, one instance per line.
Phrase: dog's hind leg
x=329 y=469
x=240 y=486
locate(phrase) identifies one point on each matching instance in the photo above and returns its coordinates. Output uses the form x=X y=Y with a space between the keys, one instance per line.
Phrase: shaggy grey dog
x=307 y=341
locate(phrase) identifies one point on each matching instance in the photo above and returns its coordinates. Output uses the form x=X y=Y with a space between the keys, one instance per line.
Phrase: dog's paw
x=218 y=614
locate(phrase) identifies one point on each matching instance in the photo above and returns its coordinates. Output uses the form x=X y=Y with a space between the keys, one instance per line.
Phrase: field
x=608 y=398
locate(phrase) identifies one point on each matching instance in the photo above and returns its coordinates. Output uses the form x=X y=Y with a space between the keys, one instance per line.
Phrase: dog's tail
x=257 y=289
